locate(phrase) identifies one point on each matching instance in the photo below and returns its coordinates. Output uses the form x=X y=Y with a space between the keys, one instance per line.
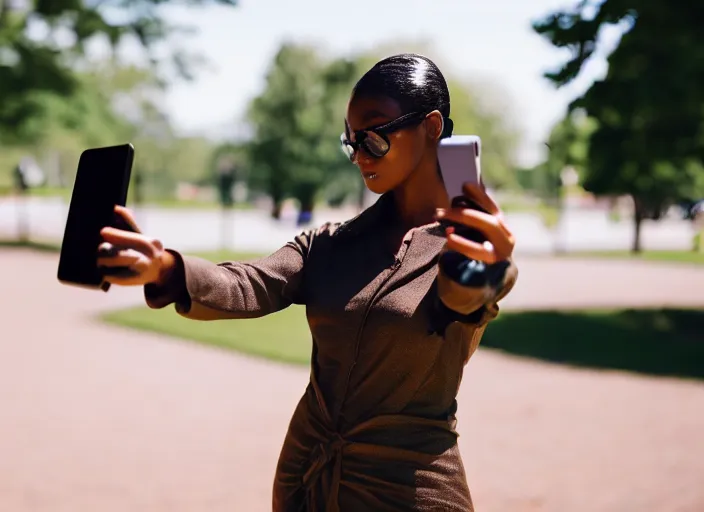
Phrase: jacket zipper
x=392 y=270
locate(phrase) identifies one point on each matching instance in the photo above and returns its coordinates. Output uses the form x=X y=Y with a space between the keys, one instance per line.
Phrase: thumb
x=477 y=193
x=124 y=219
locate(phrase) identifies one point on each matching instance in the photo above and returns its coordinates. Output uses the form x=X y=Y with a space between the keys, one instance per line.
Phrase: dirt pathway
x=102 y=419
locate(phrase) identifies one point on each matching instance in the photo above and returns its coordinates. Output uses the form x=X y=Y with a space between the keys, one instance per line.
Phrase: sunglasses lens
x=376 y=145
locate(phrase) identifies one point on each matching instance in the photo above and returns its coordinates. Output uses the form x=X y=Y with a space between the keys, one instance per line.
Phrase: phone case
x=460 y=162
x=102 y=182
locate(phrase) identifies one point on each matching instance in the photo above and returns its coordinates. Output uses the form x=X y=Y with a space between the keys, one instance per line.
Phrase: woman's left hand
x=500 y=241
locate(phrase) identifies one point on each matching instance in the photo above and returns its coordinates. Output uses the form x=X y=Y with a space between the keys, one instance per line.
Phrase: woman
x=392 y=331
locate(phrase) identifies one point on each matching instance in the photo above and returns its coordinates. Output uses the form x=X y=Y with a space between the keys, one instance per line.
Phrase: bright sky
x=490 y=41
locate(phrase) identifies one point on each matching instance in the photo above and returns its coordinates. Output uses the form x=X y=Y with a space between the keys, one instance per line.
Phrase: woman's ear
x=435 y=125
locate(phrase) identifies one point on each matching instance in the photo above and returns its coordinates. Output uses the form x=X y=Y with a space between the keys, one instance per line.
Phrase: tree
x=568 y=146
x=649 y=107
x=32 y=67
x=113 y=103
x=69 y=125
x=472 y=115
x=297 y=124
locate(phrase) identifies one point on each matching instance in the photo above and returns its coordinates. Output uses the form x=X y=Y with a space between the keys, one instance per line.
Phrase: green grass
x=549 y=214
x=260 y=336
x=689 y=257
x=657 y=342
x=283 y=336
x=63 y=193
x=33 y=245
x=48 y=246
x=225 y=255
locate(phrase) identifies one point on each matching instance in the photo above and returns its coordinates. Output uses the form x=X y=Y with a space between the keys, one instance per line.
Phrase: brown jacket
x=375 y=428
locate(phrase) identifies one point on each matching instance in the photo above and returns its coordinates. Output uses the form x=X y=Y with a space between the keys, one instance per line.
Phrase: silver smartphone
x=460 y=162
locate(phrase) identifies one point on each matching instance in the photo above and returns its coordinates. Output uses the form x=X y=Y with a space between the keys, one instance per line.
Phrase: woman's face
x=406 y=146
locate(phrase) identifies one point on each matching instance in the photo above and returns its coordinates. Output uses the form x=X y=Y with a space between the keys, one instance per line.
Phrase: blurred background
x=587 y=392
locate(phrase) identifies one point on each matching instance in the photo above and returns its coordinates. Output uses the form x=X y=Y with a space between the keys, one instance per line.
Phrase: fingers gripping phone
x=102 y=182
x=460 y=162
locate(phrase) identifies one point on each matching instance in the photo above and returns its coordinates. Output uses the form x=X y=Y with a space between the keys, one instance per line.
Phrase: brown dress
x=375 y=428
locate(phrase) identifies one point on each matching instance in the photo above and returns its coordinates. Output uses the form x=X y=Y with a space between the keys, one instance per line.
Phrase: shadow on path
x=651 y=341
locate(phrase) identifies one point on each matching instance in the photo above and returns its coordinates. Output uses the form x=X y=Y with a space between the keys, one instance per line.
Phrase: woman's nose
x=361 y=157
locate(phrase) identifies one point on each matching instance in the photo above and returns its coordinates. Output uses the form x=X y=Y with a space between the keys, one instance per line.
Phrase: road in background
x=255 y=231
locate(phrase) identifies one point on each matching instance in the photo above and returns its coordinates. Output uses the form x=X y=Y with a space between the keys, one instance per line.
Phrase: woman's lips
x=370 y=175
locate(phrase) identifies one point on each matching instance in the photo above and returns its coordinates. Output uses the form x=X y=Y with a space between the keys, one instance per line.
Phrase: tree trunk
x=138 y=186
x=306 y=199
x=276 y=193
x=638 y=214
x=308 y=206
x=276 y=209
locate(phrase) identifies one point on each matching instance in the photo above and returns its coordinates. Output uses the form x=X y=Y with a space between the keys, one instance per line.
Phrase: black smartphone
x=102 y=182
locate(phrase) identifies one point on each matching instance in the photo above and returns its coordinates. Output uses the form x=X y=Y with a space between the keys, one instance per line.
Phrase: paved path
x=101 y=419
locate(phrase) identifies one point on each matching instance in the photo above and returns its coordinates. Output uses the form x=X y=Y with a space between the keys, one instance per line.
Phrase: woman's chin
x=376 y=185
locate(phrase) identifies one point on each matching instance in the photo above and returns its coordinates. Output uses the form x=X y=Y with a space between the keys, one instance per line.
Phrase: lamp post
x=226 y=174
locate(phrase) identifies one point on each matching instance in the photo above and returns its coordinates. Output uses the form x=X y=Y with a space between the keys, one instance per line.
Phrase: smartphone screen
x=459 y=158
x=101 y=183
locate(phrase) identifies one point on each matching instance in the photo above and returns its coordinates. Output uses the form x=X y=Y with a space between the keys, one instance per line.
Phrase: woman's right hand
x=130 y=258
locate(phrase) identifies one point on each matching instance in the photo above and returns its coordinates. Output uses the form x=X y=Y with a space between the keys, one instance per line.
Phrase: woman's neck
x=418 y=198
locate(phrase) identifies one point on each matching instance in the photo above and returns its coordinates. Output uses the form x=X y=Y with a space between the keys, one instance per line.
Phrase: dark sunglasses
x=374 y=141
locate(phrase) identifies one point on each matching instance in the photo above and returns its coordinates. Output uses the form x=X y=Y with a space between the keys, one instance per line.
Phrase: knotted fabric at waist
x=371 y=440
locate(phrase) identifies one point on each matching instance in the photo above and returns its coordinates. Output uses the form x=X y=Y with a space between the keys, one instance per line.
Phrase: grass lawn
x=686 y=257
x=657 y=256
x=225 y=255
x=283 y=336
x=689 y=257
x=34 y=245
x=55 y=247
x=659 y=342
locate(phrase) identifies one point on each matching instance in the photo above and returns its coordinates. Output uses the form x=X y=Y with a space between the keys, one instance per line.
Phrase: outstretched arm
x=203 y=290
